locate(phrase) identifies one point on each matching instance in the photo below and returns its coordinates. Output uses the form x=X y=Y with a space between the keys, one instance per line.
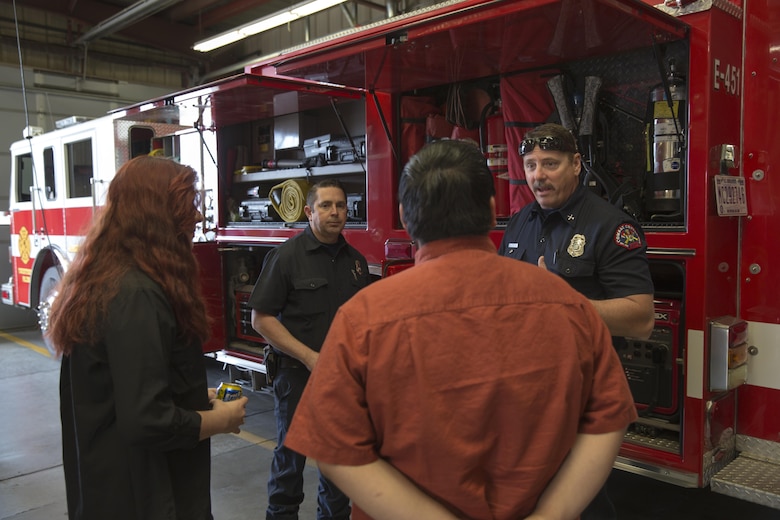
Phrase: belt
x=289 y=362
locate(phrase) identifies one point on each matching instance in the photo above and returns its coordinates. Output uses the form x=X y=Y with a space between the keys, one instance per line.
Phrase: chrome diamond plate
x=756 y=481
x=759 y=448
x=660 y=443
x=715 y=460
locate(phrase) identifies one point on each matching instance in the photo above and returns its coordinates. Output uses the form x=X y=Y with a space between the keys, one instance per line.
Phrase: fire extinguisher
x=496 y=153
x=666 y=145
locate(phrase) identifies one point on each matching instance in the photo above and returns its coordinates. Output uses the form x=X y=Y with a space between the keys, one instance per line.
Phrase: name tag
x=512 y=245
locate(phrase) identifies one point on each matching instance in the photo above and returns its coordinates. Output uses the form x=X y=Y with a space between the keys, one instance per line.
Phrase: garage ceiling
x=163 y=33
x=173 y=25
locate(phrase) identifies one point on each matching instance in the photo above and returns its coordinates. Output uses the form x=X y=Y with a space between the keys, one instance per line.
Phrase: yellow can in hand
x=228 y=391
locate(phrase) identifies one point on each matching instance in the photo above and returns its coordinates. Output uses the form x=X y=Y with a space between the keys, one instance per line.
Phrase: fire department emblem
x=357 y=271
x=576 y=246
x=24 y=245
x=626 y=236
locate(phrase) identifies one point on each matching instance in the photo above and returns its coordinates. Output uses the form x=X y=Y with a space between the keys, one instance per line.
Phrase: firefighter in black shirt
x=596 y=247
x=302 y=284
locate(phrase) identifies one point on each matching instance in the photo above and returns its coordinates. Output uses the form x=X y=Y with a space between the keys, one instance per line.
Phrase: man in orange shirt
x=471 y=385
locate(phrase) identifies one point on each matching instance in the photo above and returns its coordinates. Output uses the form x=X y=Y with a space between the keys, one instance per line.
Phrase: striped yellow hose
x=289 y=198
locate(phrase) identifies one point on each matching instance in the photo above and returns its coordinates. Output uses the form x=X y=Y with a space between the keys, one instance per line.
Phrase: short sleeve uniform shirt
x=598 y=249
x=304 y=282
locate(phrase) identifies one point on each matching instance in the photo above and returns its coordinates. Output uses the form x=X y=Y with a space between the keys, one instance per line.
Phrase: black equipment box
x=331 y=149
x=653 y=366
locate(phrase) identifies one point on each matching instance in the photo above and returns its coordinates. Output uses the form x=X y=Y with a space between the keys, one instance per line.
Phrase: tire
x=47 y=292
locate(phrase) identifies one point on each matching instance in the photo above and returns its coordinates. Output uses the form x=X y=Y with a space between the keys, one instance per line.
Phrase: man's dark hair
x=326 y=183
x=445 y=192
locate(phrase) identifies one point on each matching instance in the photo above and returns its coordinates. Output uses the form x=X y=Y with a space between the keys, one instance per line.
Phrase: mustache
x=542 y=186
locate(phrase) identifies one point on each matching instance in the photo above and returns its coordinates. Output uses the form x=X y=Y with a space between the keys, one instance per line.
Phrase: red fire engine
x=673 y=105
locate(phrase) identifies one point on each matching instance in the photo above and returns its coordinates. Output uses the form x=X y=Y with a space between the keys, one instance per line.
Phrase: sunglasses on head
x=545 y=143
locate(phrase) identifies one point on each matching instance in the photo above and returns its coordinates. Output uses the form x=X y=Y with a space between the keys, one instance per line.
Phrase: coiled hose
x=289 y=199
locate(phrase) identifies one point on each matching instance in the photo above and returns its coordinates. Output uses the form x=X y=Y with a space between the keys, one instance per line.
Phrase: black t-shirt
x=304 y=282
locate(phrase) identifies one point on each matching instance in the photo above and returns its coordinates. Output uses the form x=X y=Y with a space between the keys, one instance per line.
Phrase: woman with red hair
x=129 y=322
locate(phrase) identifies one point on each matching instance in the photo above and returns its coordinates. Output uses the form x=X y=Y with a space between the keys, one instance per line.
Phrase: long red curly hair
x=147 y=223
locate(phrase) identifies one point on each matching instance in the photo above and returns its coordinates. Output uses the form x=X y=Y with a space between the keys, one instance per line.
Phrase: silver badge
x=576 y=246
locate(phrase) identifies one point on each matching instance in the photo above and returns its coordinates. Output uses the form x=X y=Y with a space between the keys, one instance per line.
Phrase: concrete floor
x=31 y=481
x=32 y=487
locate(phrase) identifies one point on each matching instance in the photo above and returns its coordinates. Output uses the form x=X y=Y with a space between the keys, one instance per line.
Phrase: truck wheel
x=46 y=295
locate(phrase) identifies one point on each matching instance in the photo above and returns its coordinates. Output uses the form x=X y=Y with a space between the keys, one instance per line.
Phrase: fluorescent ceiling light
x=265 y=23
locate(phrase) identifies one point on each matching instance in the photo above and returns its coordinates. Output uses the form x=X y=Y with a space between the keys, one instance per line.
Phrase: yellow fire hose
x=289 y=198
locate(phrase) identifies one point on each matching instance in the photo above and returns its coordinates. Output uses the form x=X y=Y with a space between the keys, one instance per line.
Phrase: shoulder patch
x=626 y=236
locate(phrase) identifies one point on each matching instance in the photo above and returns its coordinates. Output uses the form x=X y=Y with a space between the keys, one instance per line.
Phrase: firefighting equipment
x=289 y=199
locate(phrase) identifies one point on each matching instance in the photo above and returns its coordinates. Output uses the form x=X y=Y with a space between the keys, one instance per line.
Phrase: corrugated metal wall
x=44 y=42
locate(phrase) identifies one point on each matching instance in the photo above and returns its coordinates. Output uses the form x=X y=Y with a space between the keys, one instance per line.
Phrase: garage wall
x=50 y=97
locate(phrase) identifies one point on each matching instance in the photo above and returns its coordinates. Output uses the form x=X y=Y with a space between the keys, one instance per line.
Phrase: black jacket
x=129 y=427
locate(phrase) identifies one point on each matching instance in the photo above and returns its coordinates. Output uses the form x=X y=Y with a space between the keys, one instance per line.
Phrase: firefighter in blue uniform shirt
x=302 y=284
x=596 y=247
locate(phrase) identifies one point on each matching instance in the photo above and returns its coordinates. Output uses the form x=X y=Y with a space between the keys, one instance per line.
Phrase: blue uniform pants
x=285 y=484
